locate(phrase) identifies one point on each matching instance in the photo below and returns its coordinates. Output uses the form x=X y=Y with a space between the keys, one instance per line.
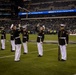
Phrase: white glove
x=66 y=44
x=11 y=26
x=19 y=25
x=41 y=42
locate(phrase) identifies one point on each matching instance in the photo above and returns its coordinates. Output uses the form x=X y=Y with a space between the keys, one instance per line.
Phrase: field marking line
x=31 y=52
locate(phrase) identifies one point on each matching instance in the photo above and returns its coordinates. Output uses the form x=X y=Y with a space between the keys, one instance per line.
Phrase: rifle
x=59 y=55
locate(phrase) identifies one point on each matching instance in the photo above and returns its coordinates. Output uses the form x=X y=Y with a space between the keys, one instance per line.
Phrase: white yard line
x=7 y=56
x=31 y=52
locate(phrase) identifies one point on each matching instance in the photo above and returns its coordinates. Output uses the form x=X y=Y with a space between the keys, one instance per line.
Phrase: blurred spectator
x=51 y=25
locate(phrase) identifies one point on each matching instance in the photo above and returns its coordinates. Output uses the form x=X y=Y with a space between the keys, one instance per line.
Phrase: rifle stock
x=59 y=55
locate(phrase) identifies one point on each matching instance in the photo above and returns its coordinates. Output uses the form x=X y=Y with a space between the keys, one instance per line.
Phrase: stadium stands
x=40 y=5
x=50 y=24
x=51 y=5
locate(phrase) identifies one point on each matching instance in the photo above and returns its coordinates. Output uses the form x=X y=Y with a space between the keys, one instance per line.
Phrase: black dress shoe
x=63 y=60
x=39 y=55
x=2 y=49
x=59 y=60
x=24 y=53
x=12 y=50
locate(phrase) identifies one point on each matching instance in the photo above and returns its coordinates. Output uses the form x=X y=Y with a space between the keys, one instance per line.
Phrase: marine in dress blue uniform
x=12 y=39
x=25 y=38
x=40 y=39
x=3 y=37
x=63 y=38
x=17 y=43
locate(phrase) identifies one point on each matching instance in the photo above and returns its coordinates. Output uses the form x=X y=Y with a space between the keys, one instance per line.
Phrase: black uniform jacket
x=25 y=36
x=63 y=37
x=17 y=36
x=12 y=35
x=3 y=34
x=40 y=37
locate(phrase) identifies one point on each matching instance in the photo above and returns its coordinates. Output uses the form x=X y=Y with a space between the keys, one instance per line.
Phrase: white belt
x=24 y=37
x=62 y=37
x=2 y=35
x=17 y=37
x=39 y=36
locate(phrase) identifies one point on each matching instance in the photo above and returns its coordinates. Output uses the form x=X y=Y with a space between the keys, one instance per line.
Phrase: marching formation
x=63 y=38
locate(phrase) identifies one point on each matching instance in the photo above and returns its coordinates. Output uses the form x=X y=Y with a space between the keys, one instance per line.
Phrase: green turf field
x=30 y=64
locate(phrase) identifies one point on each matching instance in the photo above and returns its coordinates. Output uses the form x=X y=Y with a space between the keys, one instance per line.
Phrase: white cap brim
x=62 y=25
